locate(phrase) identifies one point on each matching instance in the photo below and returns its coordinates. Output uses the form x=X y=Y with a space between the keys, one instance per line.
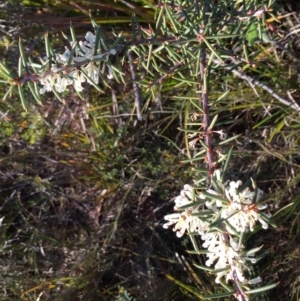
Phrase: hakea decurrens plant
x=221 y=215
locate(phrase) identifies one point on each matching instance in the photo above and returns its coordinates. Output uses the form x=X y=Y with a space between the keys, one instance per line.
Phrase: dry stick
x=206 y=119
x=136 y=88
x=115 y=107
x=241 y=75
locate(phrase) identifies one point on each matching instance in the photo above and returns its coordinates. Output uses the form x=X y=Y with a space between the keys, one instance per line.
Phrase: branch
x=136 y=86
x=206 y=119
x=250 y=79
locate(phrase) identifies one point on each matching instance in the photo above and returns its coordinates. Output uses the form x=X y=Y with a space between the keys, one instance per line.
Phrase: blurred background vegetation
x=85 y=185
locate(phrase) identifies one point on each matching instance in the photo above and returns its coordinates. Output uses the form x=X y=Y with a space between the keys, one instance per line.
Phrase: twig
x=248 y=78
x=168 y=73
x=136 y=87
x=206 y=119
x=115 y=106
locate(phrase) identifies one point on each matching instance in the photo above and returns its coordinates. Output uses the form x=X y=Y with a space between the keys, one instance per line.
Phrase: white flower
x=91 y=38
x=243 y=211
x=47 y=88
x=61 y=83
x=237 y=219
x=222 y=134
x=220 y=275
x=113 y=51
x=180 y=221
x=92 y=71
x=186 y=197
x=48 y=81
x=244 y=197
x=77 y=79
x=197 y=225
x=244 y=217
x=211 y=241
x=83 y=50
x=232 y=193
x=219 y=249
x=257 y=216
x=86 y=52
x=63 y=58
x=254 y=281
x=211 y=205
x=185 y=221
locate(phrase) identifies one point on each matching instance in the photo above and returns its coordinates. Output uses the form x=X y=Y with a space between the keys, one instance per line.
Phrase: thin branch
x=206 y=118
x=256 y=82
x=136 y=86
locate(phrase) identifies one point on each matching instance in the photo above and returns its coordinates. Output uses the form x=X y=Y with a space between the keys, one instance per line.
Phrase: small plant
x=124 y=295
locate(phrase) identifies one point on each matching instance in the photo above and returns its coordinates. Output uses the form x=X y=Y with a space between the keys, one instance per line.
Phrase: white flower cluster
x=84 y=66
x=237 y=211
x=185 y=220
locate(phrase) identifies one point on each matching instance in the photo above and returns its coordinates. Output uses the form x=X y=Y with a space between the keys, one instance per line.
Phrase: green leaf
x=262 y=289
x=73 y=34
x=23 y=55
x=72 y=52
x=184 y=286
x=47 y=46
x=33 y=91
x=20 y=67
x=193 y=204
x=58 y=95
x=22 y=97
x=204 y=268
x=33 y=65
x=66 y=37
x=229 y=139
x=49 y=50
x=213 y=122
x=217 y=296
x=6 y=71
x=97 y=40
x=252 y=34
x=251 y=252
x=197 y=252
x=228 y=158
x=216 y=186
x=9 y=92
x=215 y=197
